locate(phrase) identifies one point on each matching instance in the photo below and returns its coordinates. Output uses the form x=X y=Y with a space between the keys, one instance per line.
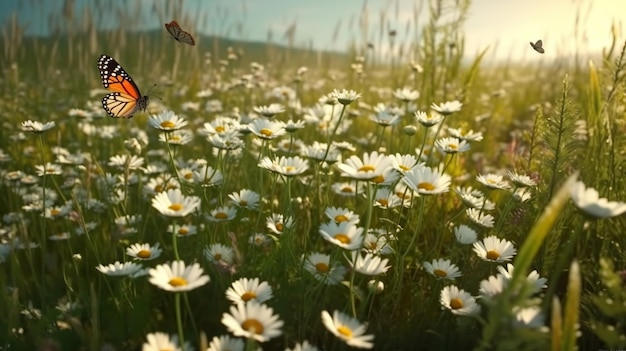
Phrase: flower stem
x=330 y=136
x=175 y=241
x=43 y=239
x=430 y=154
x=179 y=320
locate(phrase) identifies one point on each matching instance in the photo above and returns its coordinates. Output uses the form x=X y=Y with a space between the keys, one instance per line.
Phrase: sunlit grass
x=375 y=200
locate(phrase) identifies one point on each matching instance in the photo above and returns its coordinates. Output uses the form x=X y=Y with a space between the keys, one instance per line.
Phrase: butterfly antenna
x=156 y=94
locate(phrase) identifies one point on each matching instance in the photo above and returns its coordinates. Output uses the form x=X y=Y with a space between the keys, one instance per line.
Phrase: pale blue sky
x=510 y=24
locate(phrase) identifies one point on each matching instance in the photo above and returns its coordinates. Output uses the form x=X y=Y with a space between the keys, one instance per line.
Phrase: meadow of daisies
x=414 y=199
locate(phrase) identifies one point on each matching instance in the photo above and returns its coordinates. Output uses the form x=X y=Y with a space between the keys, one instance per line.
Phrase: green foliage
x=562 y=148
x=611 y=304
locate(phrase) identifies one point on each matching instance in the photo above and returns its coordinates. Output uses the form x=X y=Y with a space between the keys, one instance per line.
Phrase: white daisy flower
x=452 y=145
x=270 y=110
x=345 y=235
x=177 y=277
x=448 y=107
x=495 y=250
x=245 y=290
x=458 y=301
x=226 y=343
x=589 y=201
x=406 y=94
x=482 y=219
x=493 y=181
x=368 y=264
x=442 y=269
x=37 y=127
x=253 y=320
x=345 y=97
x=372 y=165
x=246 y=198
x=319 y=265
x=144 y=252
x=348 y=329
x=427 y=181
x=339 y=214
x=428 y=120
x=119 y=269
x=465 y=235
x=174 y=204
x=167 y=121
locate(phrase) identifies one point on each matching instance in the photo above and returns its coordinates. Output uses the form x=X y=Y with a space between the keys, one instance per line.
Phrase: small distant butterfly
x=177 y=33
x=537 y=46
x=124 y=99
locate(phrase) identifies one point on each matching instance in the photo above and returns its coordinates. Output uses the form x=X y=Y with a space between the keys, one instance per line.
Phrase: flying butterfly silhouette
x=537 y=46
x=177 y=33
x=124 y=99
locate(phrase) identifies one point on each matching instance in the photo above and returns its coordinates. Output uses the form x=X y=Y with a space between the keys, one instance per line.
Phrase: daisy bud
x=375 y=286
x=409 y=130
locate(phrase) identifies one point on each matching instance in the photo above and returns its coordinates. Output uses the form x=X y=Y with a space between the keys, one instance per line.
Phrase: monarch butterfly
x=179 y=34
x=124 y=98
x=537 y=46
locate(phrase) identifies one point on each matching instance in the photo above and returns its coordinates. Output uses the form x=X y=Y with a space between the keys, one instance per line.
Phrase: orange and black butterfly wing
x=177 y=33
x=125 y=98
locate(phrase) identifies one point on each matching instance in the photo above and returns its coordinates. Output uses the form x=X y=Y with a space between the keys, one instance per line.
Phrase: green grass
x=570 y=121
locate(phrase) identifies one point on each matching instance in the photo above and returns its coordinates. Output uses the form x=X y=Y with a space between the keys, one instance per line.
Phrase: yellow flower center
x=253 y=326
x=158 y=188
x=55 y=212
x=403 y=195
x=177 y=281
x=183 y=231
x=367 y=168
x=248 y=295
x=167 y=124
x=188 y=175
x=378 y=179
x=344 y=239
x=492 y=255
x=340 y=218
x=347 y=189
x=266 y=132
x=491 y=181
x=426 y=186
x=221 y=215
x=322 y=267
x=440 y=273
x=290 y=168
x=220 y=129
x=345 y=331
x=243 y=203
x=175 y=138
x=456 y=303
x=371 y=245
x=176 y=207
x=453 y=146
x=404 y=168
x=383 y=202
x=279 y=227
x=144 y=254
